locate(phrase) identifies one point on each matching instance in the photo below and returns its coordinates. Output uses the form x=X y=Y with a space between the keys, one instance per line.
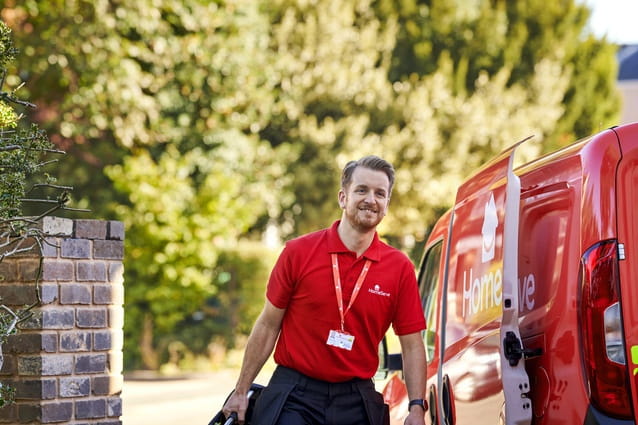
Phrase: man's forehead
x=363 y=176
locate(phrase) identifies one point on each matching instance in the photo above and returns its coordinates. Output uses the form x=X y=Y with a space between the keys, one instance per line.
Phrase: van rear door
x=627 y=222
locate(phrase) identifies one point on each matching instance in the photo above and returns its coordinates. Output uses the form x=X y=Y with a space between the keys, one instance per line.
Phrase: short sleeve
x=408 y=316
x=281 y=281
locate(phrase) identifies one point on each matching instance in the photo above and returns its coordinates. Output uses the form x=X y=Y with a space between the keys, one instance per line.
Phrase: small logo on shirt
x=377 y=291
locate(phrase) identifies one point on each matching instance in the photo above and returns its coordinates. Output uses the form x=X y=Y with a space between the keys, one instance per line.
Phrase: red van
x=530 y=291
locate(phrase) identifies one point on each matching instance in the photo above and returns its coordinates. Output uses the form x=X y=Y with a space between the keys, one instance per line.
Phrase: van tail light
x=601 y=330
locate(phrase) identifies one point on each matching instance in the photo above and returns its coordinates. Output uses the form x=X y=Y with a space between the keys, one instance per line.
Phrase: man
x=331 y=297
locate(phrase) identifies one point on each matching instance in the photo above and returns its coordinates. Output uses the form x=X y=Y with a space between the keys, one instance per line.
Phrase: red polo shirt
x=303 y=284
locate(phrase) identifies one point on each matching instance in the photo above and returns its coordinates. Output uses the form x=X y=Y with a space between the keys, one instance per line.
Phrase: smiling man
x=331 y=298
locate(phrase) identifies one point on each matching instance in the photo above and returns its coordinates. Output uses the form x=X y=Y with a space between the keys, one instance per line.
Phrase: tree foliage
x=200 y=123
x=485 y=36
x=343 y=105
x=25 y=151
x=184 y=210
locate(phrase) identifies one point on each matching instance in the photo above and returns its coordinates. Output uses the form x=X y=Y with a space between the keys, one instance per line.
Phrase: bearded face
x=365 y=200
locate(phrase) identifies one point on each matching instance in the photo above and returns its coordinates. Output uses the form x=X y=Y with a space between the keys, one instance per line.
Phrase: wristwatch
x=418 y=402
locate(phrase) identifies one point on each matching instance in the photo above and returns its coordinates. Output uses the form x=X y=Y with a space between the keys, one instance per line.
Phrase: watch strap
x=417 y=402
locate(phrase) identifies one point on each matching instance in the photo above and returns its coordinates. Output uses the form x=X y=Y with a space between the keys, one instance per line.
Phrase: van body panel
x=627 y=201
x=548 y=232
x=598 y=208
x=570 y=200
x=474 y=296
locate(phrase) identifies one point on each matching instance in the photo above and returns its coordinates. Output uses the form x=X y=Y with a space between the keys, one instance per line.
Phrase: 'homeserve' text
x=486 y=292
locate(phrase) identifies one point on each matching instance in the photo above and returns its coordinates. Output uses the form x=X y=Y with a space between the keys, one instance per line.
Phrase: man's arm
x=259 y=347
x=413 y=352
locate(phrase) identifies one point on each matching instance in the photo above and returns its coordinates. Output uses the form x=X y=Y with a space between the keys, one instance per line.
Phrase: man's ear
x=387 y=206
x=341 y=197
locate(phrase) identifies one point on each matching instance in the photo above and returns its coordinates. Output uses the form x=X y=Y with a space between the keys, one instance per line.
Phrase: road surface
x=191 y=400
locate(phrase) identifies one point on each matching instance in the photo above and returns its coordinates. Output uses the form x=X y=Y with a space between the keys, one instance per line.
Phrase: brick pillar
x=66 y=362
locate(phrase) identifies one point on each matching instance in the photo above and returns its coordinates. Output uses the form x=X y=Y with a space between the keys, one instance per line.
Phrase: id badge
x=340 y=340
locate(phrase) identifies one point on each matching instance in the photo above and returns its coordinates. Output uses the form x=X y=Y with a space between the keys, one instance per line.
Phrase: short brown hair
x=372 y=162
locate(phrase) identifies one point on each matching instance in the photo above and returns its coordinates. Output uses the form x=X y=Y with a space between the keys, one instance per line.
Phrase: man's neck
x=354 y=239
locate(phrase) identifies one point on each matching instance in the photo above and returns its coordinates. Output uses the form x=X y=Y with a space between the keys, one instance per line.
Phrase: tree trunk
x=147 y=350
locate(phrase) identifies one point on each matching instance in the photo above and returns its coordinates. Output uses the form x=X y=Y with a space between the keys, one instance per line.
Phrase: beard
x=364 y=217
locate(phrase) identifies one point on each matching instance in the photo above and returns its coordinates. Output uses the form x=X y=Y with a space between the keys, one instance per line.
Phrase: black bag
x=253 y=395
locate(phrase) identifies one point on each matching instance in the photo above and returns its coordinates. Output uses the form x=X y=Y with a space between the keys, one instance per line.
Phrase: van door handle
x=514 y=350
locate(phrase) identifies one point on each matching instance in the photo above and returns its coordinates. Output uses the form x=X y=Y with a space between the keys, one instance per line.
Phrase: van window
x=428 y=288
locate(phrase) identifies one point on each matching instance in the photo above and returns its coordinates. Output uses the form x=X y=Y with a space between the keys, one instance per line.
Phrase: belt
x=284 y=374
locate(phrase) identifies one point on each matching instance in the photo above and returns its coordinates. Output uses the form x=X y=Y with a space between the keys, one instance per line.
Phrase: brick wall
x=66 y=362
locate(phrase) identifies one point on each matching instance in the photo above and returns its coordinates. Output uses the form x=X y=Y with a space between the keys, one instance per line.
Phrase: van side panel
x=627 y=191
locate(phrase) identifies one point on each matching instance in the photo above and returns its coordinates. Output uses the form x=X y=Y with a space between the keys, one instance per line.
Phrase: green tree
x=241 y=272
x=168 y=97
x=481 y=36
x=335 y=59
x=118 y=75
x=176 y=231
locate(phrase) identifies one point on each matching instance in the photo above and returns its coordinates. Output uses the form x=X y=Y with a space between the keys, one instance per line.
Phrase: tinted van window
x=428 y=288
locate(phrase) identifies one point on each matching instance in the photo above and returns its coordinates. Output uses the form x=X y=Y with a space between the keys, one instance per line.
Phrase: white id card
x=340 y=340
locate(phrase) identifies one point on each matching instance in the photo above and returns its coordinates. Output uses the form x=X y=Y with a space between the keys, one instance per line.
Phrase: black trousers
x=292 y=398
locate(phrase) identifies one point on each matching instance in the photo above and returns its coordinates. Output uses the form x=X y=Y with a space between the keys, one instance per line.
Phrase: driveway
x=190 y=400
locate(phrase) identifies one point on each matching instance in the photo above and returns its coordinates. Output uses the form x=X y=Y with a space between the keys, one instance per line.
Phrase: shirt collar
x=336 y=245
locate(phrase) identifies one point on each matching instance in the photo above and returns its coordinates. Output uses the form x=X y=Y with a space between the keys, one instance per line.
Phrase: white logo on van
x=490 y=223
x=484 y=293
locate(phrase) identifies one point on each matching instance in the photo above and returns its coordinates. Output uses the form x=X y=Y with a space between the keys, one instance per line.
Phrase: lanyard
x=355 y=291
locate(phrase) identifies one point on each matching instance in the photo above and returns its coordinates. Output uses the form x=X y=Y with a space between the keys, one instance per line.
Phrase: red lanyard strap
x=355 y=291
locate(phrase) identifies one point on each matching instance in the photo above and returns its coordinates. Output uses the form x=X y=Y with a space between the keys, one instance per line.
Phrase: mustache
x=368 y=207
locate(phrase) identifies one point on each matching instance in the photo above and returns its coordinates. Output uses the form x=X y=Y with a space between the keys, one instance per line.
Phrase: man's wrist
x=242 y=389
x=418 y=402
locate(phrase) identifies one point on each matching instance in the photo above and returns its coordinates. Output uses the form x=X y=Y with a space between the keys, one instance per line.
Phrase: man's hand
x=416 y=416
x=259 y=347
x=238 y=403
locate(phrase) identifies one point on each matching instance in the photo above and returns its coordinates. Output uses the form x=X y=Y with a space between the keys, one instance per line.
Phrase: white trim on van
x=518 y=406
